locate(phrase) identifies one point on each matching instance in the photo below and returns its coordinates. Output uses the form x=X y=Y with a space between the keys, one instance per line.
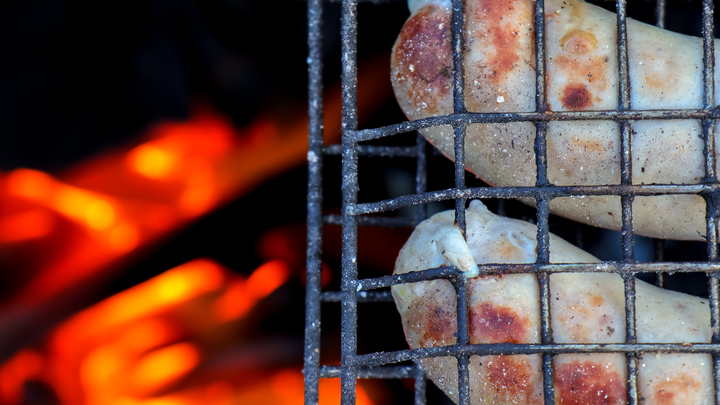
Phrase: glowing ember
x=24 y=365
x=242 y=295
x=65 y=234
x=151 y=161
x=30 y=224
x=130 y=198
x=163 y=366
x=133 y=347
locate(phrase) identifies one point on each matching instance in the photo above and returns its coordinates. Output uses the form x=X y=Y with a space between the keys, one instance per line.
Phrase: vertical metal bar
x=543 y=250
x=711 y=214
x=348 y=281
x=349 y=65
x=716 y=366
x=543 y=235
x=541 y=154
x=659 y=257
x=311 y=368
x=420 y=386
x=458 y=46
x=579 y=241
x=458 y=19
x=708 y=126
x=660 y=6
x=502 y=207
x=459 y=132
x=714 y=285
x=627 y=201
x=420 y=397
x=625 y=132
x=420 y=176
x=540 y=86
x=540 y=145
x=627 y=241
x=708 y=56
x=624 y=85
x=461 y=286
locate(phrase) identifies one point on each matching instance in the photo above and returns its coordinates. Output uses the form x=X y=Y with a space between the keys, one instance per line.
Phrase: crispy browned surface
x=582 y=74
x=584 y=308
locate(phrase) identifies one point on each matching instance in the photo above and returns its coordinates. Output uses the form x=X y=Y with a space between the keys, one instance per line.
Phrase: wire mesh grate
x=354 y=214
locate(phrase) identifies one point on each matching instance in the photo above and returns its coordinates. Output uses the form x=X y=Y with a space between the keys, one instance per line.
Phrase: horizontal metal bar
x=375 y=150
x=445 y=272
x=410 y=200
x=495 y=349
x=386 y=222
x=362 y=296
x=385 y=372
x=494 y=118
x=615 y=267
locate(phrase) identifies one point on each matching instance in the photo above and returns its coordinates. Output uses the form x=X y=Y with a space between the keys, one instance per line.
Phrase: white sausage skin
x=584 y=308
x=665 y=72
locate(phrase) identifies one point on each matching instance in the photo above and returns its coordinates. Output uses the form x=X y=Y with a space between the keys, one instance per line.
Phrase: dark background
x=78 y=77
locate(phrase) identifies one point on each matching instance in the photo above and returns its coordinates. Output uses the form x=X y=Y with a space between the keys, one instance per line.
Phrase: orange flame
x=132 y=346
x=26 y=225
x=23 y=366
x=288 y=387
x=91 y=209
x=131 y=198
x=71 y=230
x=242 y=295
x=164 y=366
x=158 y=294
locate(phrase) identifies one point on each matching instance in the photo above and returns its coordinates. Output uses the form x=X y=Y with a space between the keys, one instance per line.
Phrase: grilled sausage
x=665 y=72
x=584 y=308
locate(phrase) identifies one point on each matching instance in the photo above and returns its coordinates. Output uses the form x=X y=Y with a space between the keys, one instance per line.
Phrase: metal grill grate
x=354 y=291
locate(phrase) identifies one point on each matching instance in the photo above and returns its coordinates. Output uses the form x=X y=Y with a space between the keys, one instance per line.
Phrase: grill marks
x=589 y=382
x=422 y=62
x=501 y=30
x=491 y=323
x=680 y=389
x=580 y=67
x=587 y=79
x=576 y=97
x=511 y=379
x=423 y=58
x=440 y=327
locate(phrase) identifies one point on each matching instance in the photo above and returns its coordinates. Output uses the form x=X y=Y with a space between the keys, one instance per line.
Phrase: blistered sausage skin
x=665 y=72
x=584 y=308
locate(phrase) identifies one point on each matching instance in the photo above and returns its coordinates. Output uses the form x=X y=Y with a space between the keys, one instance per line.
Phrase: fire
x=92 y=210
x=151 y=161
x=24 y=365
x=288 y=383
x=26 y=225
x=132 y=347
x=97 y=215
x=129 y=348
x=242 y=295
x=163 y=366
x=66 y=235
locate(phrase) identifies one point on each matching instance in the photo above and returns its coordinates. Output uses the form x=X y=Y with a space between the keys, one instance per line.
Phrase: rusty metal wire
x=354 y=214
